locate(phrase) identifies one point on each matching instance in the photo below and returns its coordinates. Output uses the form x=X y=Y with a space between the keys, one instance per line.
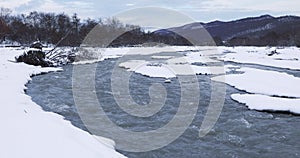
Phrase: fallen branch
x=48 y=54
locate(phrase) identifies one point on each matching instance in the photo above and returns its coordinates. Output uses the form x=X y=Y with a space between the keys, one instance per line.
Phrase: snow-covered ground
x=269 y=90
x=288 y=57
x=29 y=132
x=169 y=70
x=265 y=82
x=181 y=63
x=264 y=102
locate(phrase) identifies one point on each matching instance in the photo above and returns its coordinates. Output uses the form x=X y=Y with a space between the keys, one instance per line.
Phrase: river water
x=239 y=132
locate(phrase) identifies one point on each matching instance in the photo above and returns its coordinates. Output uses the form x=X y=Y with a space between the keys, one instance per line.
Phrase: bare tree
x=4 y=29
x=5 y=12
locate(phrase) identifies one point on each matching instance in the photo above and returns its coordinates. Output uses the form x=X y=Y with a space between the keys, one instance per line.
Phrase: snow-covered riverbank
x=29 y=132
x=269 y=90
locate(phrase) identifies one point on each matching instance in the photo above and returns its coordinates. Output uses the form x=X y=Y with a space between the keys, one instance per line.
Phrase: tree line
x=68 y=30
x=47 y=27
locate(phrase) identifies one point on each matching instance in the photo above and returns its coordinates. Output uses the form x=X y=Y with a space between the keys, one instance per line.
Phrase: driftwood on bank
x=36 y=56
x=52 y=51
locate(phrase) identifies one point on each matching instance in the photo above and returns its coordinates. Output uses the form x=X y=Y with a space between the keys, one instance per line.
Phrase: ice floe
x=267 y=103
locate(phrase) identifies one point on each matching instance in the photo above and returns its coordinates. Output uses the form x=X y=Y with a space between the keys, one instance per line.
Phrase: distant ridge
x=258 y=31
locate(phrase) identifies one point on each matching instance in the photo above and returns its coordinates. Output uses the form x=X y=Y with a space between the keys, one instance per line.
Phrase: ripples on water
x=239 y=132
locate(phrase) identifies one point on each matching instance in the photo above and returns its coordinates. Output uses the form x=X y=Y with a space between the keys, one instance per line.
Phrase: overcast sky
x=200 y=10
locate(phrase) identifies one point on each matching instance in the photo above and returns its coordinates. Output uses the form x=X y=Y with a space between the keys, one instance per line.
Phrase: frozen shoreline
x=30 y=132
x=269 y=90
x=267 y=103
x=287 y=58
x=33 y=132
x=269 y=87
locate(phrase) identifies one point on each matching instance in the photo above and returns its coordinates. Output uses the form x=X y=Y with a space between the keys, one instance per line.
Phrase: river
x=239 y=132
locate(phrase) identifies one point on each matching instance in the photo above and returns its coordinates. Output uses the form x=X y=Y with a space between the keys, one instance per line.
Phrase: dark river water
x=239 y=132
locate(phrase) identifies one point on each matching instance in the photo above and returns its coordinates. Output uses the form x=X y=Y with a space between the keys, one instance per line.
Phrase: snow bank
x=100 y=54
x=168 y=70
x=192 y=53
x=28 y=131
x=284 y=58
x=267 y=103
x=268 y=87
x=161 y=57
x=264 y=82
x=172 y=66
x=192 y=57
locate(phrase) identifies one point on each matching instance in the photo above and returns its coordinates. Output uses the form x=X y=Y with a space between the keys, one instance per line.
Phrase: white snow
x=155 y=71
x=161 y=57
x=265 y=85
x=267 y=103
x=186 y=69
x=230 y=67
x=264 y=82
x=198 y=54
x=29 y=132
x=131 y=65
x=202 y=55
x=100 y=54
x=286 y=58
x=191 y=58
x=168 y=70
x=168 y=81
x=172 y=66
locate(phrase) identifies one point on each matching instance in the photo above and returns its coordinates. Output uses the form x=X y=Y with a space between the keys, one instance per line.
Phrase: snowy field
x=30 y=131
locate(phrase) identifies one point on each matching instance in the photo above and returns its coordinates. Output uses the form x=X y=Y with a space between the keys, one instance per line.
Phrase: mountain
x=262 y=30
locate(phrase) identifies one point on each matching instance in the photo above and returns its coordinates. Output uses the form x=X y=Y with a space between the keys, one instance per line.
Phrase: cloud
x=212 y=9
x=82 y=8
x=152 y=17
x=278 y=6
x=130 y=4
x=50 y=6
x=245 y=5
x=12 y=4
x=208 y=10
